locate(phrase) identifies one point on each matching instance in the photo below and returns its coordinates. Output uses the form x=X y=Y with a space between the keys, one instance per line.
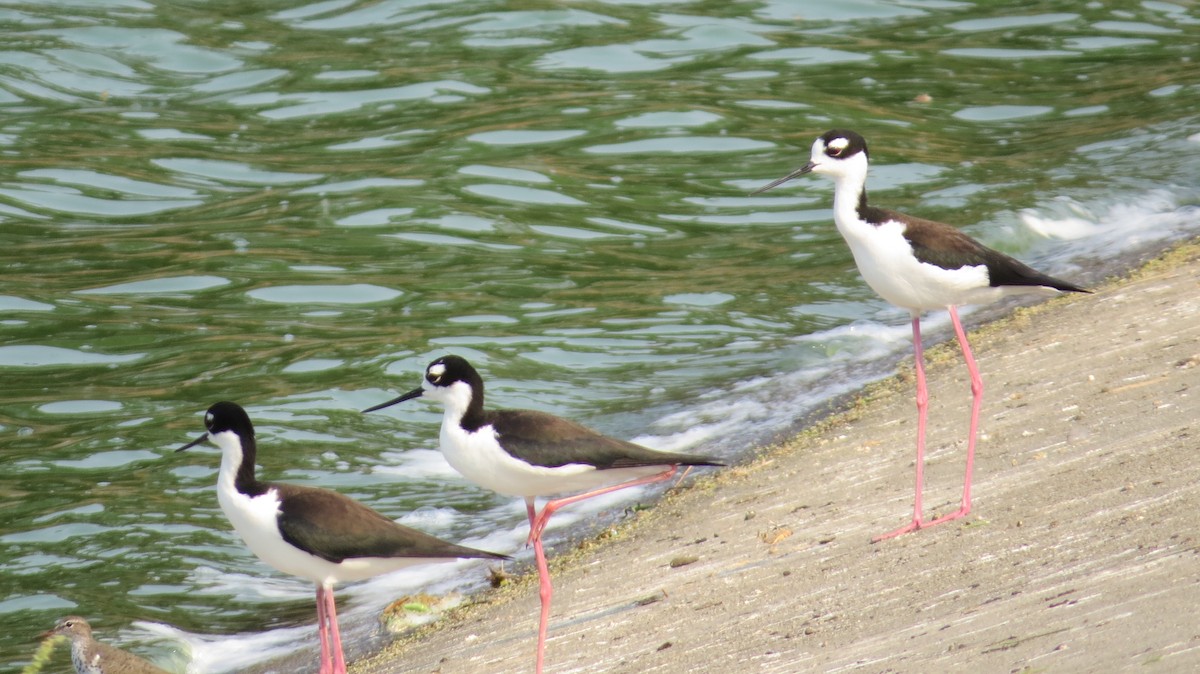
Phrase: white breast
x=256 y=521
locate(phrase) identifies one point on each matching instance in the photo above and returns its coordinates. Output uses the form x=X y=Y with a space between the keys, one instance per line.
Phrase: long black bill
x=794 y=174
x=193 y=443
x=415 y=393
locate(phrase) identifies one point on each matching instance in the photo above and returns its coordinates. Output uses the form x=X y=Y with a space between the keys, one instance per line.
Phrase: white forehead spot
x=208 y=417
x=838 y=144
x=437 y=369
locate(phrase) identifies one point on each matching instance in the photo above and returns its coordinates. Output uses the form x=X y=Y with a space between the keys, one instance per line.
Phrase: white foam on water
x=416 y=465
x=211 y=654
x=1108 y=229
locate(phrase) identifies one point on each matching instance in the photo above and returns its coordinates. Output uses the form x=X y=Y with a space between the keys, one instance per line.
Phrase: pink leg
x=545 y=592
x=922 y=414
x=552 y=506
x=976 y=403
x=532 y=512
x=335 y=636
x=322 y=630
x=922 y=405
x=538 y=524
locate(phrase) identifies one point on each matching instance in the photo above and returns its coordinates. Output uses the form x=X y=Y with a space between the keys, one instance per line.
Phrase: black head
x=440 y=375
x=449 y=370
x=837 y=152
x=227 y=416
x=221 y=417
x=842 y=143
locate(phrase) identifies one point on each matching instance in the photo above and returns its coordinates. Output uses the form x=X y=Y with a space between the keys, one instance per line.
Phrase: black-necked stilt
x=530 y=454
x=92 y=657
x=918 y=265
x=312 y=533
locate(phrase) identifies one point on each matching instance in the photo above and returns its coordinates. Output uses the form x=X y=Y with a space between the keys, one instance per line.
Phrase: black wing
x=946 y=247
x=545 y=440
x=334 y=527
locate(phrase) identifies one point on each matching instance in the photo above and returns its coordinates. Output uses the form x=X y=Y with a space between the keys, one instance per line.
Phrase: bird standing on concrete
x=530 y=454
x=919 y=265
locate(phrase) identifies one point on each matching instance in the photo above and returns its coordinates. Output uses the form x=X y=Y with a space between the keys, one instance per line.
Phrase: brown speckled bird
x=92 y=657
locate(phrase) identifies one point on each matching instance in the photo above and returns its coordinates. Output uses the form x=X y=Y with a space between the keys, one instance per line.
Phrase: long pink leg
x=335 y=636
x=552 y=506
x=538 y=524
x=322 y=630
x=922 y=414
x=545 y=592
x=976 y=403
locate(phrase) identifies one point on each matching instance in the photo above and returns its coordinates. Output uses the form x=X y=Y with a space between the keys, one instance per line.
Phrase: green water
x=297 y=206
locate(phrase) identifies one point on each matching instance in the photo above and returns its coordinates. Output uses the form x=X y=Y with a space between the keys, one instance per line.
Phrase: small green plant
x=42 y=655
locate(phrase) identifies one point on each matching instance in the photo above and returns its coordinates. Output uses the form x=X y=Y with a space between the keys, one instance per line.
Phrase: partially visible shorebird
x=92 y=657
x=530 y=454
x=919 y=265
x=309 y=532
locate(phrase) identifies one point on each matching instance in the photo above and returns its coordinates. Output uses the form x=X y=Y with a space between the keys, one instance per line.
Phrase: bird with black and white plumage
x=918 y=265
x=313 y=533
x=534 y=454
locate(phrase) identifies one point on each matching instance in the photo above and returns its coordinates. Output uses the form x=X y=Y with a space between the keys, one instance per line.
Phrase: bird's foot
x=918 y=524
x=961 y=512
x=908 y=528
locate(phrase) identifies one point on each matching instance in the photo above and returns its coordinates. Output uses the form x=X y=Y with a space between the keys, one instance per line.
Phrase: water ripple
x=157 y=47
x=113 y=182
x=356 y=293
x=1013 y=54
x=233 y=172
x=321 y=103
x=504 y=173
x=65 y=200
x=168 y=285
x=801 y=56
x=12 y=303
x=538 y=20
x=1009 y=22
x=34 y=355
x=524 y=136
x=682 y=145
x=684 y=118
x=999 y=113
x=608 y=58
x=527 y=195
x=358 y=185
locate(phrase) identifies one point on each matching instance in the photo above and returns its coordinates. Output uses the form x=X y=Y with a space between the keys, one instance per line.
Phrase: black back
x=335 y=527
x=543 y=439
